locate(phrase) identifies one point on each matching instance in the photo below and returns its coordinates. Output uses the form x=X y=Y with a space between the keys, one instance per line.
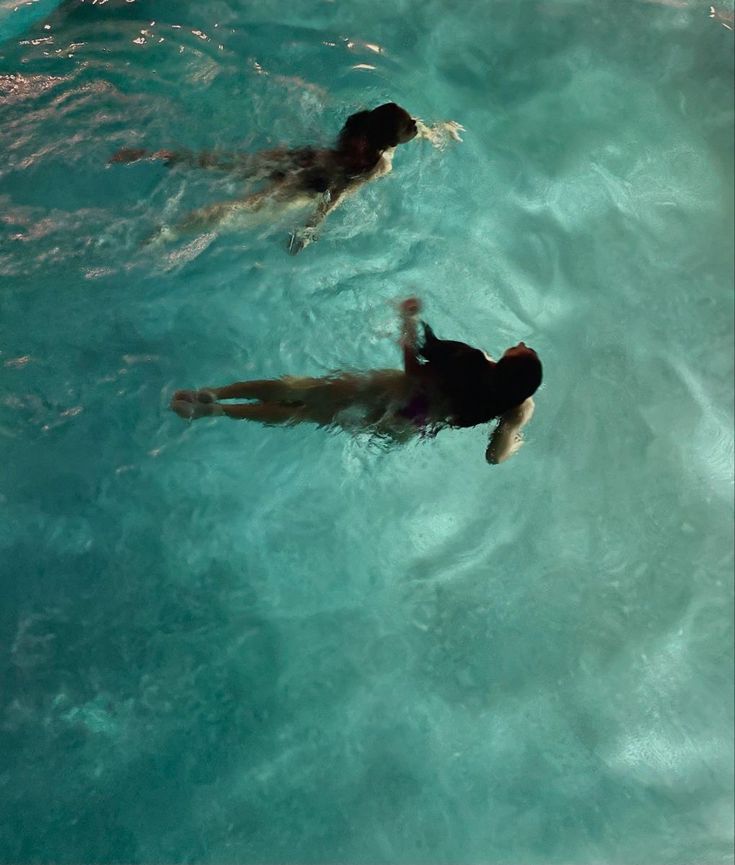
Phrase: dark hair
x=379 y=128
x=477 y=389
x=518 y=375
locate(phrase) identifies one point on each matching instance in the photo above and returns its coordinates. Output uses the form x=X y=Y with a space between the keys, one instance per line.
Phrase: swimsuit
x=416 y=411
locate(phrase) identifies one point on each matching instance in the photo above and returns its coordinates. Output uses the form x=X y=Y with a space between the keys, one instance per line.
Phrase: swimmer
x=322 y=178
x=443 y=384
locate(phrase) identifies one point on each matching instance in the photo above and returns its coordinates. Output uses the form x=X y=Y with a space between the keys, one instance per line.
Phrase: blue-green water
x=227 y=643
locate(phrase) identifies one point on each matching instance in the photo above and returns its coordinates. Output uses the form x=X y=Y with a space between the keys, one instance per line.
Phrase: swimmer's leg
x=203 y=159
x=276 y=413
x=290 y=389
x=317 y=400
x=265 y=390
x=267 y=413
x=289 y=392
x=209 y=217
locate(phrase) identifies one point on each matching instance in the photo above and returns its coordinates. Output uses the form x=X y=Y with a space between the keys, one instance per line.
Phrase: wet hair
x=478 y=389
x=369 y=133
x=518 y=375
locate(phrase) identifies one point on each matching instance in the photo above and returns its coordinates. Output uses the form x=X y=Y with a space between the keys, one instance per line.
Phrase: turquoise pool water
x=225 y=643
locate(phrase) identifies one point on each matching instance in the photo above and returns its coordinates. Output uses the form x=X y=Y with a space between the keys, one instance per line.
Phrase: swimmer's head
x=394 y=124
x=478 y=388
x=464 y=375
x=385 y=126
x=518 y=374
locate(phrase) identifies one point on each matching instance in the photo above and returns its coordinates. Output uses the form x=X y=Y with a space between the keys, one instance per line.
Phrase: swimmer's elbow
x=519 y=415
x=490 y=458
x=506 y=439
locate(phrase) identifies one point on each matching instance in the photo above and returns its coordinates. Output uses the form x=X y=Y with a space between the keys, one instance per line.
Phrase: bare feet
x=194 y=404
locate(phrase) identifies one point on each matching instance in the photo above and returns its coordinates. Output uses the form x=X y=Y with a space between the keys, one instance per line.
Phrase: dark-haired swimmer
x=443 y=384
x=322 y=177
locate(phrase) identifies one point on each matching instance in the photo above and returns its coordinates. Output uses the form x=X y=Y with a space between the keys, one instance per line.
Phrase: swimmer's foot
x=203 y=395
x=194 y=410
x=194 y=404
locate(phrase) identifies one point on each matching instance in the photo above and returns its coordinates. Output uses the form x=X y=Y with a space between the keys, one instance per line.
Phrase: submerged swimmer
x=322 y=176
x=443 y=384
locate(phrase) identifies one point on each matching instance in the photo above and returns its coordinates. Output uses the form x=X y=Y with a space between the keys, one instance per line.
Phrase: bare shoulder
x=384 y=165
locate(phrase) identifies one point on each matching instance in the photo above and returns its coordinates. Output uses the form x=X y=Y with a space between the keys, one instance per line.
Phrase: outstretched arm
x=309 y=232
x=506 y=438
x=409 y=310
x=440 y=134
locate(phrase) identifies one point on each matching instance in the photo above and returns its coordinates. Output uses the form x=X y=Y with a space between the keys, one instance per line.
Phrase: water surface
x=229 y=643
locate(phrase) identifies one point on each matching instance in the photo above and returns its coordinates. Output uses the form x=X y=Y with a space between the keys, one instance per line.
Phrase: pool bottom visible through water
x=227 y=642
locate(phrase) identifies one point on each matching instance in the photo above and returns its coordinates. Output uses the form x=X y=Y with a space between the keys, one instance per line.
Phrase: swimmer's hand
x=301 y=238
x=451 y=130
x=440 y=134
